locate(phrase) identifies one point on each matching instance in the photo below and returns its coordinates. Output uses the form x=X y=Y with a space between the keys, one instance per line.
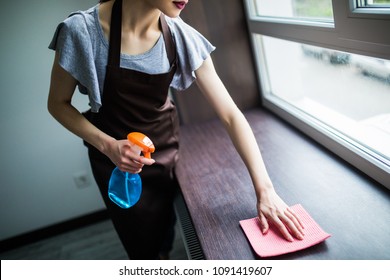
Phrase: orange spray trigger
x=143 y=142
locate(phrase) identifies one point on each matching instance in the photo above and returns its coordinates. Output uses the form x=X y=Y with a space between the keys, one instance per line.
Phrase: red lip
x=180 y=4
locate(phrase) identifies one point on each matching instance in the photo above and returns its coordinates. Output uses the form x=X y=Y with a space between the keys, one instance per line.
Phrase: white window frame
x=356 y=30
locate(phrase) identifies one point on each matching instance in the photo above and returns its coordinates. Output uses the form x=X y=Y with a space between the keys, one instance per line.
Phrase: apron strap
x=114 y=50
x=116 y=36
x=168 y=39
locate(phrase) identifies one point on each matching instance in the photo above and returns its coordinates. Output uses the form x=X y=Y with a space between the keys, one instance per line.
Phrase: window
x=373 y=3
x=367 y=8
x=329 y=74
x=296 y=9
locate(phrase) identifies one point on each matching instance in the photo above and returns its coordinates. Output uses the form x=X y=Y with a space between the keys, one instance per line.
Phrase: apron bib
x=136 y=101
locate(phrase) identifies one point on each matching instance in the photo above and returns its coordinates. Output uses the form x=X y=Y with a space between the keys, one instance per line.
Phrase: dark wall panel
x=223 y=23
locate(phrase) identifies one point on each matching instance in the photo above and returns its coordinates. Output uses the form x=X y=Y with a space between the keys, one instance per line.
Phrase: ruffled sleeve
x=73 y=43
x=192 y=49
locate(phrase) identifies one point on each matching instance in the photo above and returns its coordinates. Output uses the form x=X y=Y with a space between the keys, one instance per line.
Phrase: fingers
x=288 y=224
x=291 y=214
x=292 y=223
x=136 y=157
x=135 y=166
x=282 y=229
x=130 y=166
x=146 y=161
x=263 y=224
x=133 y=163
x=272 y=208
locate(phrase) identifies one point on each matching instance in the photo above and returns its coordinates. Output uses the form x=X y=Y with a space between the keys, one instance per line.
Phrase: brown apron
x=136 y=101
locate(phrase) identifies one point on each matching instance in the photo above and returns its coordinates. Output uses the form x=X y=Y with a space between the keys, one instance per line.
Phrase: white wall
x=38 y=157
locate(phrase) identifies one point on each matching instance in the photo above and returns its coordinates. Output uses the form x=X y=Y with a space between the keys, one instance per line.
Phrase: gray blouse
x=83 y=52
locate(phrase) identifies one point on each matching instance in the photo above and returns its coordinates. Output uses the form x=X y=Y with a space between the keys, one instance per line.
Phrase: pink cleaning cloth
x=274 y=244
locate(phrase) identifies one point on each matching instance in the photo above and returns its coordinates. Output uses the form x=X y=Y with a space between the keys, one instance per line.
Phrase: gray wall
x=39 y=158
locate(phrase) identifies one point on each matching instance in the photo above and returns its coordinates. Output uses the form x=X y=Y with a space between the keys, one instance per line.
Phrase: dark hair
x=102 y=1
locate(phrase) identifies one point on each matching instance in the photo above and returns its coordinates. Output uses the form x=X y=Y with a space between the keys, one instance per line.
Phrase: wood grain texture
x=219 y=193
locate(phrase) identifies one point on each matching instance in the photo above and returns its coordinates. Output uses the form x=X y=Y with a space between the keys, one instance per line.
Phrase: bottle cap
x=142 y=141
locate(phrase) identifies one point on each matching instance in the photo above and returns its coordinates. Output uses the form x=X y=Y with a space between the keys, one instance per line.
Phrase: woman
x=125 y=54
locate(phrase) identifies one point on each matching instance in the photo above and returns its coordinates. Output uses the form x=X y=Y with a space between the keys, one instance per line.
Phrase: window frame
x=352 y=31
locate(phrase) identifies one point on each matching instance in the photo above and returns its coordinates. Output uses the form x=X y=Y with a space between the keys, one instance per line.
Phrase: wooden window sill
x=218 y=193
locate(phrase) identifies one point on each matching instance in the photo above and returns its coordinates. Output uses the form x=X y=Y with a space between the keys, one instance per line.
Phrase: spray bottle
x=125 y=188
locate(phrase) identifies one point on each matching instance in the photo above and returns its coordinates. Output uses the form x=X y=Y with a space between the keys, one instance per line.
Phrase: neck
x=139 y=17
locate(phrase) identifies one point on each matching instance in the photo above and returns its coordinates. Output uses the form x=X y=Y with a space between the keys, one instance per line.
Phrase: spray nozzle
x=143 y=142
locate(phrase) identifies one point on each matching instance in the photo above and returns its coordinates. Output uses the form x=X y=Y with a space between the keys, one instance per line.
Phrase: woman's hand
x=272 y=209
x=126 y=157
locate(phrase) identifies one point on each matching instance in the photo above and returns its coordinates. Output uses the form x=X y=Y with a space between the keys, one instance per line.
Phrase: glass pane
x=348 y=92
x=374 y=3
x=299 y=9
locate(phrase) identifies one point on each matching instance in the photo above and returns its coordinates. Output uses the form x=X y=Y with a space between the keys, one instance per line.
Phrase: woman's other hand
x=272 y=209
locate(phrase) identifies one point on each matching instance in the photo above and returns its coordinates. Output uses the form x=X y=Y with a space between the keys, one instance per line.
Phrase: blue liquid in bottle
x=124 y=188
